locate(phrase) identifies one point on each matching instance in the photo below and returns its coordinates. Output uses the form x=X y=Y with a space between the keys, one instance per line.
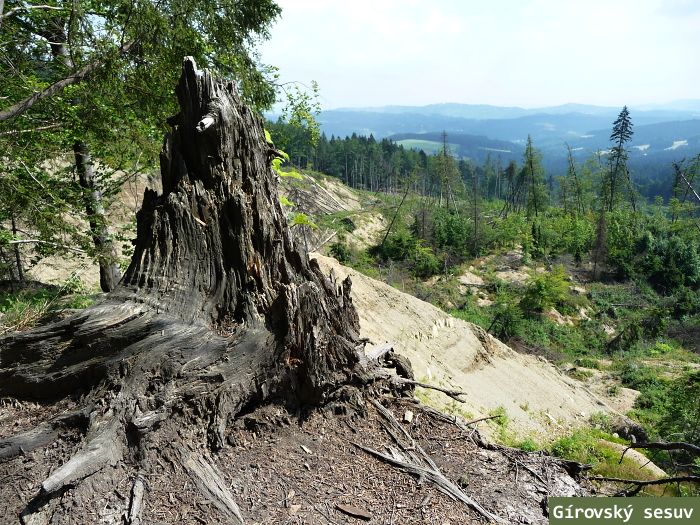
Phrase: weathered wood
x=454 y=394
x=669 y=445
x=136 y=503
x=639 y=484
x=39 y=436
x=211 y=484
x=99 y=451
x=219 y=309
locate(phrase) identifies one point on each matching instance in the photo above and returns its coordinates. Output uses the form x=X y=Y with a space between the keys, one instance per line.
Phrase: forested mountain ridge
x=662 y=136
x=496 y=122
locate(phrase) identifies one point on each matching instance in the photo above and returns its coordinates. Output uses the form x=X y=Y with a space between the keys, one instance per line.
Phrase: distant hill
x=502 y=123
x=653 y=149
x=663 y=132
x=474 y=147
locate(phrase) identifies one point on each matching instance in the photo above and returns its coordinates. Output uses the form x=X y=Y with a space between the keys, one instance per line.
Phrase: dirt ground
x=285 y=468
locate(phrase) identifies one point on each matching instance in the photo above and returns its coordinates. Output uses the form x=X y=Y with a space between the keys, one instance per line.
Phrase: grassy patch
x=24 y=308
x=473 y=313
x=588 y=446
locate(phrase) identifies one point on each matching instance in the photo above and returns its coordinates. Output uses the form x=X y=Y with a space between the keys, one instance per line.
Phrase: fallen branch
x=641 y=483
x=671 y=445
x=417 y=462
x=136 y=504
x=435 y=477
x=485 y=418
x=454 y=394
x=39 y=241
x=32 y=130
x=21 y=8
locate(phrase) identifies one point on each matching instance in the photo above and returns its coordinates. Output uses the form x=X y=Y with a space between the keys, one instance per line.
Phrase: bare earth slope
x=452 y=353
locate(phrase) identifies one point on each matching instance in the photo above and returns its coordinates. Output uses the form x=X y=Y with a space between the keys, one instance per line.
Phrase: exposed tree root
x=210 y=482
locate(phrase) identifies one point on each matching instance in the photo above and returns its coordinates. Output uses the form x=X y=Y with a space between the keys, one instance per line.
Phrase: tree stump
x=217 y=311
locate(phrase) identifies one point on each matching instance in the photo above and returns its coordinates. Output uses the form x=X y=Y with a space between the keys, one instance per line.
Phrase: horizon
x=638 y=107
x=509 y=53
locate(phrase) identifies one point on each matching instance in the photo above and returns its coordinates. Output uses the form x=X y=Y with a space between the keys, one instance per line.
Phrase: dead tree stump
x=218 y=310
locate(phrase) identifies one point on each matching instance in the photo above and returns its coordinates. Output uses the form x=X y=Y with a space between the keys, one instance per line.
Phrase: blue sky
x=504 y=52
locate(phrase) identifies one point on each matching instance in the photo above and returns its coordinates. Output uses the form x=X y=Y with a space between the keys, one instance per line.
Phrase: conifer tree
x=534 y=181
x=618 y=173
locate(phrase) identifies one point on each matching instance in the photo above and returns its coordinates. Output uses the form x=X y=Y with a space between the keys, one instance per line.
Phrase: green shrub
x=25 y=308
x=686 y=302
x=528 y=445
x=340 y=251
x=425 y=263
x=545 y=290
x=507 y=321
x=670 y=263
x=587 y=362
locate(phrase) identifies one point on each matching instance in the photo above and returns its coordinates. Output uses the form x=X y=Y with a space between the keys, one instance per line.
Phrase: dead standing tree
x=218 y=310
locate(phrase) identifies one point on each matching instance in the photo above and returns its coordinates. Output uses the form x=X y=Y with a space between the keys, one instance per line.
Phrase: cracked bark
x=218 y=310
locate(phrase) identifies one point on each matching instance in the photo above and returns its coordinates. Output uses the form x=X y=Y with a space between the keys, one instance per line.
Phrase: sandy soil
x=539 y=400
x=326 y=197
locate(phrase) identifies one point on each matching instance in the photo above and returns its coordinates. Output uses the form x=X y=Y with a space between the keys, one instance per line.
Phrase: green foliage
x=507 y=320
x=28 y=306
x=686 y=302
x=545 y=290
x=119 y=110
x=671 y=262
x=302 y=110
x=302 y=219
x=667 y=406
x=648 y=380
x=511 y=231
x=340 y=251
x=284 y=201
x=533 y=179
x=621 y=242
x=399 y=245
x=587 y=362
x=584 y=447
x=680 y=417
x=451 y=231
x=473 y=313
x=425 y=264
x=528 y=445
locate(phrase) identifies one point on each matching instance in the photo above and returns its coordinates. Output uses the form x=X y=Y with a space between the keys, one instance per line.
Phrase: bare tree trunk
x=218 y=310
x=18 y=256
x=106 y=251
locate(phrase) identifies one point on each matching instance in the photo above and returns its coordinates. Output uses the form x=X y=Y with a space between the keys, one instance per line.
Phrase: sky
x=527 y=53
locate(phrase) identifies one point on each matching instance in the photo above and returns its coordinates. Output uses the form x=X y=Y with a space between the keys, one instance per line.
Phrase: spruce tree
x=618 y=172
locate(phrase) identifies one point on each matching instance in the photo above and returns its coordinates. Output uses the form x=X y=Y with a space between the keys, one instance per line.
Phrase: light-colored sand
x=539 y=400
